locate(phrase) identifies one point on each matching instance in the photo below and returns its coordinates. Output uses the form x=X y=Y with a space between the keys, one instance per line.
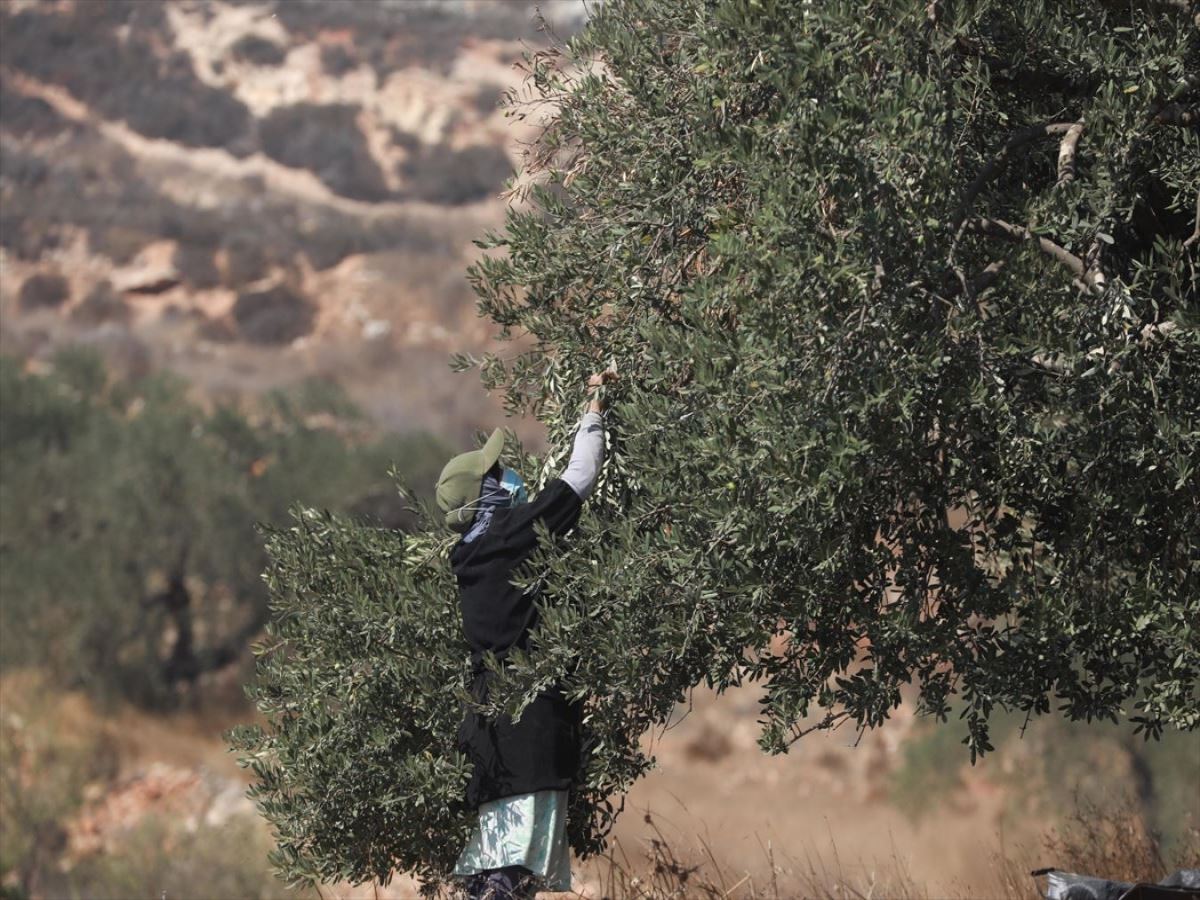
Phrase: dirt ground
x=824 y=808
x=827 y=819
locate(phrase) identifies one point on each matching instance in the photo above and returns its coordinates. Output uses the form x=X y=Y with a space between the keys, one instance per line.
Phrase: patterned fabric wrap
x=527 y=830
x=492 y=495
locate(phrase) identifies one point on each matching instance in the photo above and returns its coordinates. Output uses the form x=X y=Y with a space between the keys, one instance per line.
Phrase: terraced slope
x=255 y=192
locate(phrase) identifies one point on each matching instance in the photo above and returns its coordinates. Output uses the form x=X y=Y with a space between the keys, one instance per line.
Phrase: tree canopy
x=903 y=296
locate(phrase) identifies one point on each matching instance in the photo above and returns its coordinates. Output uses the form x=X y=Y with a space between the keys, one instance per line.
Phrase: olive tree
x=129 y=564
x=903 y=296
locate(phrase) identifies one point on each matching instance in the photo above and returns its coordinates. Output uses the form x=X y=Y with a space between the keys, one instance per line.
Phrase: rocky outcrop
x=282 y=180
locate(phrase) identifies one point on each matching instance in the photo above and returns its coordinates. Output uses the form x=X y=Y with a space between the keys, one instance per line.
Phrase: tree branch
x=993 y=166
x=188 y=664
x=828 y=723
x=228 y=651
x=691 y=257
x=1092 y=266
x=1195 y=231
x=1066 y=154
x=999 y=228
x=990 y=273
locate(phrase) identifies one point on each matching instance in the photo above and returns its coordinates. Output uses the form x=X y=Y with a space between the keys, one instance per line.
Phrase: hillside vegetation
x=130 y=566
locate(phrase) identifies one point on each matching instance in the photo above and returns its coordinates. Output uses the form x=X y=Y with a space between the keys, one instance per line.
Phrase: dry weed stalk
x=672 y=872
x=1091 y=840
x=1095 y=841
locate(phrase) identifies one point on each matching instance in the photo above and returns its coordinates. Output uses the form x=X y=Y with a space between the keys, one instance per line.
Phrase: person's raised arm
x=587 y=454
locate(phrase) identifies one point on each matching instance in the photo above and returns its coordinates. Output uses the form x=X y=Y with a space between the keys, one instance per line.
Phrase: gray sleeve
x=586 y=456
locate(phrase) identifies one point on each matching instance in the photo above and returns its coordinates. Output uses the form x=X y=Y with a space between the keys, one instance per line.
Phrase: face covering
x=512 y=483
x=508 y=490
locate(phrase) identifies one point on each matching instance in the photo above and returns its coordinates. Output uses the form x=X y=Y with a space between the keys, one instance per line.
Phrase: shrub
x=337 y=60
x=129 y=77
x=43 y=290
x=488 y=98
x=327 y=141
x=257 y=51
x=452 y=177
x=276 y=315
x=30 y=116
x=1110 y=840
x=101 y=304
x=162 y=857
x=51 y=755
x=391 y=37
x=196 y=265
x=119 y=242
x=246 y=258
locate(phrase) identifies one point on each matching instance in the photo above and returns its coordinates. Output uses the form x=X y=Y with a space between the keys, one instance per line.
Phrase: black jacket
x=541 y=751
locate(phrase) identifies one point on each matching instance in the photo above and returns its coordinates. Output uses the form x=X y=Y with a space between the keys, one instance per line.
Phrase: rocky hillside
x=252 y=193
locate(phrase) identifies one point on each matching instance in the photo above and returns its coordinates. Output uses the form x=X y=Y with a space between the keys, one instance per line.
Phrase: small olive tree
x=903 y=295
x=129 y=564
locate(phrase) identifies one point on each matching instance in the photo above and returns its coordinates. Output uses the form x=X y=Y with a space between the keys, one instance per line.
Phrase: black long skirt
x=538 y=753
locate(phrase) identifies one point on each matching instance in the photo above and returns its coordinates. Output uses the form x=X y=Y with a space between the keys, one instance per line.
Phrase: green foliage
x=909 y=391
x=362 y=684
x=129 y=562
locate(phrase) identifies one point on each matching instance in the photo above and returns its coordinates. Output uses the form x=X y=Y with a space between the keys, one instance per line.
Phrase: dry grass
x=1114 y=842
x=667 y=870
x=1111 y=842
x=57 y=750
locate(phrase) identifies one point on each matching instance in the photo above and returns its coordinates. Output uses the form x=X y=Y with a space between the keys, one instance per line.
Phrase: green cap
x=459 y=484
